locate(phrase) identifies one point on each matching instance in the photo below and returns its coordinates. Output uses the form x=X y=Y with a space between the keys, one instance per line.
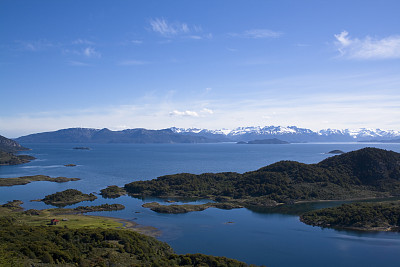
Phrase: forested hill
x=365 y=173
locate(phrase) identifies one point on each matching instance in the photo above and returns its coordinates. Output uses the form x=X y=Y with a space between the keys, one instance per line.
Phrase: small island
x=112 y=191
x=273 y=141
x=185 y=208
x=336 y=151
x=381 y=216
x=70 y=165
x=27 y=179
x=67 y=197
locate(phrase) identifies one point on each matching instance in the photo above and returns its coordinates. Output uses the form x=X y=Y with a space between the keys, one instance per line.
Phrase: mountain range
x=194 y=135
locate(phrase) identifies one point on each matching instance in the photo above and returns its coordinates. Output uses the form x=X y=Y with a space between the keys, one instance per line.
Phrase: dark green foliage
x=15 y=204
x=92 y=247
x=8 y=158
x=68 y=197
x=103 y=207
x=363 y=216
x=112 y=191
x=367 y=166
x=368 y=172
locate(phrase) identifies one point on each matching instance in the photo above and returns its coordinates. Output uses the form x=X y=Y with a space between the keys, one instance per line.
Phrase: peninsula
x=8 y=148
x=39 y=239
x=27 y=179
x=381 y=216
x=362 y=174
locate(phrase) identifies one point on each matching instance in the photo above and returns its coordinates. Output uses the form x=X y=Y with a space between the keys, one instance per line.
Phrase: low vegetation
x=103 y=207
x=28 y=239
x=67 y=197
x=27 y=179
x=382 y=216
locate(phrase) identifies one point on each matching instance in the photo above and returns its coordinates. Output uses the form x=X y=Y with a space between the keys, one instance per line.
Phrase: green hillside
x=366 y=173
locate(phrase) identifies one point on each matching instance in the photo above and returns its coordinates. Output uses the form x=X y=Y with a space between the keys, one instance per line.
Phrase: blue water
x=256 y=237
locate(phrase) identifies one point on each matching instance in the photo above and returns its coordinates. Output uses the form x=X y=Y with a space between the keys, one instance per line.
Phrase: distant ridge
x=86 y=135
x=290 y=134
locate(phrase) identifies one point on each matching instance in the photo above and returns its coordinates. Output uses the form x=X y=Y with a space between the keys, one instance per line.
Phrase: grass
x=72 y=221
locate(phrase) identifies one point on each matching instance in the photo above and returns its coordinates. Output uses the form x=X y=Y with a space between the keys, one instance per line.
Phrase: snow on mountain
x=296 y=132
x=186 y=130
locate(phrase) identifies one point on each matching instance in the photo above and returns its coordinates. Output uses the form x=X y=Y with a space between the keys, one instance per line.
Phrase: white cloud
x=207 y=111
x=257 y=34
x=91 y=52
x=188 y=113
x=367 y=48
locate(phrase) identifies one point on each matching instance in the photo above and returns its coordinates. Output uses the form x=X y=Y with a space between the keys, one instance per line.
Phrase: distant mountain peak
x=199 y=135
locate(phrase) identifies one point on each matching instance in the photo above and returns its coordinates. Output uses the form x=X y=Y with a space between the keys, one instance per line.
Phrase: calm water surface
x=256 y=237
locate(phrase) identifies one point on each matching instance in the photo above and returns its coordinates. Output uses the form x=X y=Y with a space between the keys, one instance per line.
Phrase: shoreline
x=136 y=227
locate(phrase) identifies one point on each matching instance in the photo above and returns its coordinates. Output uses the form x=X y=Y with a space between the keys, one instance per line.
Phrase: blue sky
x=207 y=64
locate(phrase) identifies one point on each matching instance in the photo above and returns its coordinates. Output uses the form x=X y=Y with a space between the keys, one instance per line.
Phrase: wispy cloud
x=207 y=111
x=173 y=29
x=91 y=52
x=167 y=29
x=77 y=63
x=82 y=42
x=257 y=34
x=34 y=46
x=367 y=48
x=88 y=52
x=135 y=42
x=132 y=63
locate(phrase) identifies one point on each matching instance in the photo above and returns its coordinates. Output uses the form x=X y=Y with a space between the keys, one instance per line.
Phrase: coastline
x=130 y=225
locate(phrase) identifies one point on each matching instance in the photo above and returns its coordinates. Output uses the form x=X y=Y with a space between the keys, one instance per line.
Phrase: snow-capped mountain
x=294 y=134
x=196 y=135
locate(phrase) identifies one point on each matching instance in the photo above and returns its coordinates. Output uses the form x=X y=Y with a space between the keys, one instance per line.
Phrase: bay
x=255 y=236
